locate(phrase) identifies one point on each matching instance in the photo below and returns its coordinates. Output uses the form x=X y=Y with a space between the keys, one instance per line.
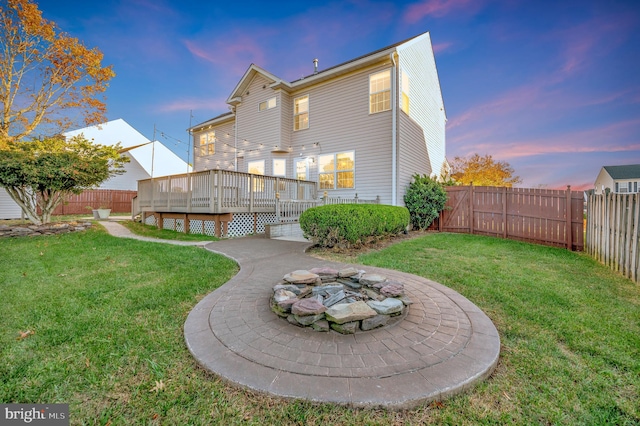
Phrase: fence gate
x=456 y=216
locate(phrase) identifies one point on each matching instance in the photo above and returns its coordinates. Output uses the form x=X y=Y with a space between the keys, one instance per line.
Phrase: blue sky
x=552 y=87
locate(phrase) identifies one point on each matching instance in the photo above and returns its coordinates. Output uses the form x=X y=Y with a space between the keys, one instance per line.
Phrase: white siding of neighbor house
x=8 y=208
x=426 y=113
x=129 y=180
x=339 y=121
x=603 y=181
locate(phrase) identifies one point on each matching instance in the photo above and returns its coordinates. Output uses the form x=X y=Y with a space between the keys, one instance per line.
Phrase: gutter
x=394 y=141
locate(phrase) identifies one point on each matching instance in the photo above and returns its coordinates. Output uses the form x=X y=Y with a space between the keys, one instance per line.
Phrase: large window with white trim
x=256 y=168
x=301 y=113
x=302 y=169
x=380 y=91
x=207 y=143
x=280 y=167
x=337 y=171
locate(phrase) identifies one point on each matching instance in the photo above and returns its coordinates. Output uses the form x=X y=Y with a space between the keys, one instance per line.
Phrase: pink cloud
x=193 y=104
x=441 y=47
x=439 y=8
x=612 y=137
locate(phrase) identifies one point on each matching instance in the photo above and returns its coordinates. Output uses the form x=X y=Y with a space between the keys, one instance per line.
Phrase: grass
x=165 y=234
x=107 y=316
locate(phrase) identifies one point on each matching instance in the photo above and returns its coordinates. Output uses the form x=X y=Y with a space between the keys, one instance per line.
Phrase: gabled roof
x=332 y=72
x=243 y=84
x=629 y=171
x=152 y=156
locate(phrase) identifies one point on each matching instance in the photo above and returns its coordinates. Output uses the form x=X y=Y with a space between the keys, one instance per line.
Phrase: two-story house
x=619 y=179
x=363 y=127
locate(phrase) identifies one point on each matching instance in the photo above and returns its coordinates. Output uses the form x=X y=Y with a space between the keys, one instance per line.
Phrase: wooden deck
x=219 y=192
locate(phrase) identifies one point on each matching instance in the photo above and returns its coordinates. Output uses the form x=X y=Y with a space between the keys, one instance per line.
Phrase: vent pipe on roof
x=315 y=66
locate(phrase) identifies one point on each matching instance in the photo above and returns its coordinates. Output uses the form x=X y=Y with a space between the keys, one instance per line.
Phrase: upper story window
x=268 y=104
x=380 y=91
x=207 y=143
x=404 y=88
x=301 y=113
x=337 y=171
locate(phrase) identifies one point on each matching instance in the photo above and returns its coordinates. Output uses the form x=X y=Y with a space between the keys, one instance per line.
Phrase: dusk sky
x=552 y=87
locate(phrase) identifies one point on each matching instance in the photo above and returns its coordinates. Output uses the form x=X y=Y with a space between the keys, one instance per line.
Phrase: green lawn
x=164 y=234
x=107 y=316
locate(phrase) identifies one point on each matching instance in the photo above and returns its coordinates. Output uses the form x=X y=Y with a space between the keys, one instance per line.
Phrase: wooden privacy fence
x=541 y=216
x=613 y=222
x=119 y=201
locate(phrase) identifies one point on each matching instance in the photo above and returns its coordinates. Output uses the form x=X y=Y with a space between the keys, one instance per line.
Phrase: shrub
x=352 y=224
x=425 y=198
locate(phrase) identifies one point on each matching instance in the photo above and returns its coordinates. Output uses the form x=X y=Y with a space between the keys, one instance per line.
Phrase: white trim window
x=380 y=91
x=280 y=167
x=302 y=169
x=301 y=113
x=337 y=171
x=268 y=104
x=257 y=168
x=207 y=144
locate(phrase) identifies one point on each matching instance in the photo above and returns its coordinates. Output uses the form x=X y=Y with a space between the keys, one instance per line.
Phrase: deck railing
x=290 y=210
x=220 y=191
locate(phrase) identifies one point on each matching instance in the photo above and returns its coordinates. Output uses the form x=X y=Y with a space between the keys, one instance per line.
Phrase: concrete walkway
x=443 y=346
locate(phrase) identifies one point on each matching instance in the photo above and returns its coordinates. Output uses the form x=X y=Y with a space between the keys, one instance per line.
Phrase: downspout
x=394 y=141
x=235 y=140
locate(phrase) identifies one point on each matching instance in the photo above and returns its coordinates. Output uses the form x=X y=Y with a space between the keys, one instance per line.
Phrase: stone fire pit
x=347 y=300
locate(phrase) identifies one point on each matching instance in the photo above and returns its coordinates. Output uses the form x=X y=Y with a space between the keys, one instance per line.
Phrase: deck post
x=219 y=191
x=251 y=192
x=212 y=192
x=189 y=193
x=169 y=192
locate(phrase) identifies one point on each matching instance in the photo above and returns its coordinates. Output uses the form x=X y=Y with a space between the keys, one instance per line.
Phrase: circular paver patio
x=443 y=346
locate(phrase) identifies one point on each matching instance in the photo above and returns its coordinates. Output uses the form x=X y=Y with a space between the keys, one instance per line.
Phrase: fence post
x=278 y=218
x=567 y=214
x=635 y=236
x=504 y=212
x=471 y=223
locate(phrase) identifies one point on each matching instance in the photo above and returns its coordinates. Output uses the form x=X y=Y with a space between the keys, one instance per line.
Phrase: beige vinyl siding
x=339 y=121
x=224 y=154
x=426 y=110
x=412 y=154
x=259 y=127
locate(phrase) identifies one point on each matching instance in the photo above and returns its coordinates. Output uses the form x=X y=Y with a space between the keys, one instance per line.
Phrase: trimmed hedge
x=352 y=224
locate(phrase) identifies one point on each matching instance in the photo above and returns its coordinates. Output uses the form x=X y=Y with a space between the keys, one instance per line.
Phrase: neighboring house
x=363 y=127
x=147 y=159
x=619 y=179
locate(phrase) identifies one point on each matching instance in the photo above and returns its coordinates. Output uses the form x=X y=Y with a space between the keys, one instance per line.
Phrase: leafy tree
x=45 y=75
x=38 y=175
x=425 y=198
x=483 y=171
